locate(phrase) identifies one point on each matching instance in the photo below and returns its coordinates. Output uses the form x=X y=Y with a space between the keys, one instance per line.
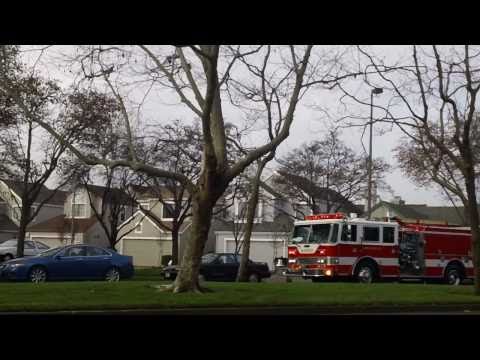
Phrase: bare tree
x=326 y=175
x=434 y=103
x=31 y=154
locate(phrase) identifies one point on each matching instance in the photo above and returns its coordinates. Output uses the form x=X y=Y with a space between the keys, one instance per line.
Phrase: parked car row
x=87 y=262
x=223 y=267
x=72 y=262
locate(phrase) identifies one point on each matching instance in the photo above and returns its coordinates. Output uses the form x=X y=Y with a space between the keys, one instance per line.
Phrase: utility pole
x=370 y=165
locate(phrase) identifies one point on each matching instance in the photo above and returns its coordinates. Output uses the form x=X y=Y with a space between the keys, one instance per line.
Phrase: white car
x=8 y=248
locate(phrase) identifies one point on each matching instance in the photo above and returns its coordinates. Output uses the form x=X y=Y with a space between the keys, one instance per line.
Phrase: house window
x=139 y=228
x=123 y=213
x=301 y=210
x=79 y=210
x=79 y=206
x=241 y=210
x=16 y=212
x=168 y=210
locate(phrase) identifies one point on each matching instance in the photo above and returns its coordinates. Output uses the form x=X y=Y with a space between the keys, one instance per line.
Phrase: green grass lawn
x=141 y=294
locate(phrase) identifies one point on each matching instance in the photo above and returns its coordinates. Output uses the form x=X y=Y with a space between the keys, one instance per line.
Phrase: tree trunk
x=242 y=274
x=187 y=278
x=474 y=225
x=175 y=230
x=22 y=229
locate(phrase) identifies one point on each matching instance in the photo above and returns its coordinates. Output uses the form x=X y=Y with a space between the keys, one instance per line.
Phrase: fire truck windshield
x=316 y=234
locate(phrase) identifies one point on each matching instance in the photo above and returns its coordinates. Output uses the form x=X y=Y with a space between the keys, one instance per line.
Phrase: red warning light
x=325 y=216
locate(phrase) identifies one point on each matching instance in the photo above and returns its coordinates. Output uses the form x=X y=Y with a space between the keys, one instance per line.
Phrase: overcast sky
x=309 y=124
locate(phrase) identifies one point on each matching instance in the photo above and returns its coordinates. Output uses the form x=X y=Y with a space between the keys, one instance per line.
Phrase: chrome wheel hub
x=38 y=275
x=365 y=275
x=112 y=275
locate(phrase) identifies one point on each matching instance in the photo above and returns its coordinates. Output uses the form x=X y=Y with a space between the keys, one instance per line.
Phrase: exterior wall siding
x=96 y=236
x=47 y=211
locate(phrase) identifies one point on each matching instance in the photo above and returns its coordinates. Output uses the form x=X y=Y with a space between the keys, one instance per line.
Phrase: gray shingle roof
x=449 y=214
x=6 y=224
x=281 y=223
x=57 y=198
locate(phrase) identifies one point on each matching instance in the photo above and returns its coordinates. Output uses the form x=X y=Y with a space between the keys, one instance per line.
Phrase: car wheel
x=453 y=275
x=7 y=257
x=365 y=273
x=37 y=275
x=201 y=278
x=112 y=275
x=254 y=278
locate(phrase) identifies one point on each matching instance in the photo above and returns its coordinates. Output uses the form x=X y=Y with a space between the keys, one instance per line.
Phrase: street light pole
x=370 y=165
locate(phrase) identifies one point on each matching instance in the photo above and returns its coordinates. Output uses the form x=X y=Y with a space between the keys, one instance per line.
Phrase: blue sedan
x=73 y=262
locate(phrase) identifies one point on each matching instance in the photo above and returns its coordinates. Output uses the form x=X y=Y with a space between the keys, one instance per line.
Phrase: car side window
x=226 y=259
x=94 y=251
x=29 y=245
x=75 y=251
x=42 y=246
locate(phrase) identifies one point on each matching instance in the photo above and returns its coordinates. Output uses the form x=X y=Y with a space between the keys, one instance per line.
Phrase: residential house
x=11 y=204
x=397 y=208
x=77 y=223
x=147 y=235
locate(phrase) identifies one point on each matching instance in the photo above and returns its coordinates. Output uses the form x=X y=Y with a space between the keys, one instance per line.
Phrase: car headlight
x=321 y=260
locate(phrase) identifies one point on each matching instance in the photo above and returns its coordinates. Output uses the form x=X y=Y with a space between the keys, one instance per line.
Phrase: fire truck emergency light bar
x=325 y=216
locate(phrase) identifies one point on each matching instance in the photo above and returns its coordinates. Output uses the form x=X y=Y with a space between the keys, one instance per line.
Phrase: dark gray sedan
x=222 y=267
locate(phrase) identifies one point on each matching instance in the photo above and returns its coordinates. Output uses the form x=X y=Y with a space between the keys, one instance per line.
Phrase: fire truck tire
x=453 y=275
x=365 y=272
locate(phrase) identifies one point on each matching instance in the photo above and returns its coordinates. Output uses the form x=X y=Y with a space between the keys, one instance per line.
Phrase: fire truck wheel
x=453 y=275
x=365 y=273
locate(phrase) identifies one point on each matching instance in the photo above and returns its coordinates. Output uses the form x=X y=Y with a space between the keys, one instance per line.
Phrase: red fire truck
x=335 y=246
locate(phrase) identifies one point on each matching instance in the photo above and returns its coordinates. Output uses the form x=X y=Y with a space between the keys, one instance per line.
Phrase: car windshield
x=9 y=243
x=50 y=252
x=313 y=234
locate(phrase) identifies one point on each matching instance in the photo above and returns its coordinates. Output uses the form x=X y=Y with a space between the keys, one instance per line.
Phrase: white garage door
x=260 y=250
x=144 y=252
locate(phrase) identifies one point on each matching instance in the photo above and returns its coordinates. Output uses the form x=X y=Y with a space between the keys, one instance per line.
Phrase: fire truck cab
x=334 y=246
